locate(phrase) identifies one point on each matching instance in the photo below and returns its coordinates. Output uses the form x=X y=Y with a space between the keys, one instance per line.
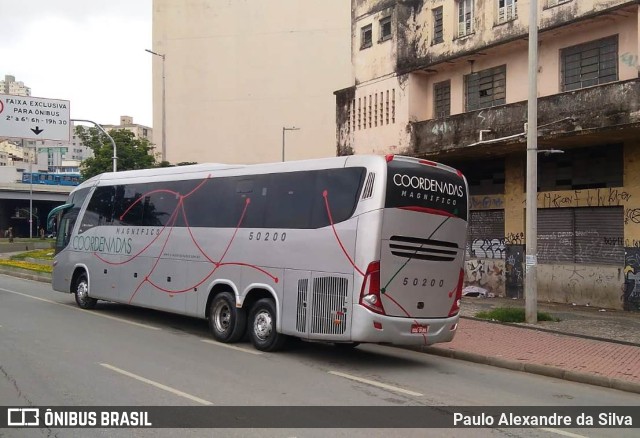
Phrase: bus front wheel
x=227 y=322
x=83 y=300
x=262 y=326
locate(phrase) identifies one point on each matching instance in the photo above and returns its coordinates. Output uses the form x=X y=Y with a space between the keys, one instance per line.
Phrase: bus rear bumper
x=372 y=327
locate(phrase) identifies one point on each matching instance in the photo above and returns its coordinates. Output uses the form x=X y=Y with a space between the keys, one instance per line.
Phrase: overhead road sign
x=34 y=118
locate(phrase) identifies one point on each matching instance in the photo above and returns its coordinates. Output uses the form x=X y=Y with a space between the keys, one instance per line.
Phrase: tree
x=132 y=153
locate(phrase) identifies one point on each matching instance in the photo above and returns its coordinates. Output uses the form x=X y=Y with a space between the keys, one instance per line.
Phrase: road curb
x=27 y=275
x=533 y=368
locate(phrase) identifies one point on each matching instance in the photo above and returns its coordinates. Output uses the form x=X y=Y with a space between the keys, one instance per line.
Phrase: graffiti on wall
x=610 y=197
x=630 y=60
x=488 y=274
x=486 y=202
x=514 y=271
x=631 y=292
x=486 y=248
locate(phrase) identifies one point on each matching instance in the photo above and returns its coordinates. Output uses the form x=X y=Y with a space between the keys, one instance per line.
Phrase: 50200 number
x=267 y=236
x=422 y=282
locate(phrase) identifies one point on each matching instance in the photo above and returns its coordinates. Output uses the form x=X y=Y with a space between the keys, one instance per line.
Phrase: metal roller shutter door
x=599 y=235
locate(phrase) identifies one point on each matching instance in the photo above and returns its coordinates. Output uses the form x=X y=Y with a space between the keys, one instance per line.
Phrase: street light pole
x=531 y=275
x=164 y=107
x=30 y=191
x=284 y=129
x=113 y=143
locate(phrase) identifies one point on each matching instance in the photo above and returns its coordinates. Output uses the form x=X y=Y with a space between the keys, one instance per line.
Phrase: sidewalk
x=559 y=351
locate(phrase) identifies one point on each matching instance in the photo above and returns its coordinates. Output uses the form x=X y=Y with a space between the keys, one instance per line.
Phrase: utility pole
x=531 y=272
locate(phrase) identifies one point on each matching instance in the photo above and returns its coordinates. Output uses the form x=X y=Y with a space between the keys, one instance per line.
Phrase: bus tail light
x=370 y=293
x=455 y=307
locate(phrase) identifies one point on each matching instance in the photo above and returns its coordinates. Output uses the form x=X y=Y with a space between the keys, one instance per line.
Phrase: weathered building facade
x=447 y=80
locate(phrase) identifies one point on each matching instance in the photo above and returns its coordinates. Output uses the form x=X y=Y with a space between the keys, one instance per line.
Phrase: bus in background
x=342 y=250
x=52 y=179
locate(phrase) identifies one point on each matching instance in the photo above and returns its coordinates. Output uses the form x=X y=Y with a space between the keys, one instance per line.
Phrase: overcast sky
x=90 y=52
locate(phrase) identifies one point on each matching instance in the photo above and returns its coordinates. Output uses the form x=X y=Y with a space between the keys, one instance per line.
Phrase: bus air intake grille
x=368 y=187
x=329 y=305
x=423 y=249
x=301 y=317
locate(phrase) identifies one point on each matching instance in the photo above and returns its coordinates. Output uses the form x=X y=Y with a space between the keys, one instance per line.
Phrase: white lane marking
x=157 y=385
x=77 y=308
x=374 y=383
x=561 y=432
x=233 y=347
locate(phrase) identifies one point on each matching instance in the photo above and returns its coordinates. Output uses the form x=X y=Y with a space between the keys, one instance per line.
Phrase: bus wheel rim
x=82 y=291
x=263 y=325
x=222 y=317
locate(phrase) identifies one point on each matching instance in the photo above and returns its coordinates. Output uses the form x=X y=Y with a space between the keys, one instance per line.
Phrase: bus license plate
x=419 y=328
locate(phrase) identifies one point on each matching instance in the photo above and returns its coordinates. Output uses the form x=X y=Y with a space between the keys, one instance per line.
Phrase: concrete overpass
x=14 y=205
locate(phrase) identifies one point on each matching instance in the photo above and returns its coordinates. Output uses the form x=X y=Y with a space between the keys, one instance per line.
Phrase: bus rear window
x=426 y=188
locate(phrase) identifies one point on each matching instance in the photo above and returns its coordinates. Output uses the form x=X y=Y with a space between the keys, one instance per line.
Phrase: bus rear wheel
x=227 y=322
x=83 y=300
x=262 y=326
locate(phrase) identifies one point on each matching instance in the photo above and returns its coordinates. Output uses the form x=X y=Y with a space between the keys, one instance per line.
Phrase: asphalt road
x=53 y=353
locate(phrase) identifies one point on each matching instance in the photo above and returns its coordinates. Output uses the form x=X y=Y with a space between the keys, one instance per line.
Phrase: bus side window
x=289 y=202
x=342 y=187
x=100 y=209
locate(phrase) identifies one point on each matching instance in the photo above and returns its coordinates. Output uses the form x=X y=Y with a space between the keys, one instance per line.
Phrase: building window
x=552 y=3
x=385 y=29
x=507 y=10
x=465 y=17
x=590 y=64
x=366 y=37
x=574 y=169
x=144 y=132
x=485 y=88
x=442 y=99
x=438 y=35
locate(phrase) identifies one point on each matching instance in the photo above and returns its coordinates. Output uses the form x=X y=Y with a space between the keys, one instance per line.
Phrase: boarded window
x=442 y=99
x=486 y=88
x=366 y=36
x=438 y=31
x=485 y=179
x=574 y=169
x=486 y=234
x=590 y=64
x=589 y=235
x=385 y=29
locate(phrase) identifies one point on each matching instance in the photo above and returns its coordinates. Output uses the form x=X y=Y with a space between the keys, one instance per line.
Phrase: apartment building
x=10 y=86
x=235 y=73
x=447 y=80
x=139 y=131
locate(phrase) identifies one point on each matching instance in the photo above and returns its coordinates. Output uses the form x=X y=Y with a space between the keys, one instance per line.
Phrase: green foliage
x=512 y=314
x=132 y=153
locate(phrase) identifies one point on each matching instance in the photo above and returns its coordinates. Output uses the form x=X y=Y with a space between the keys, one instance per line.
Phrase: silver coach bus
x=344 y=250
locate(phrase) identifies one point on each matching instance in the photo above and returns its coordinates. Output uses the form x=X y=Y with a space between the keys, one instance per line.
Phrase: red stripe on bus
x=428 y=210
